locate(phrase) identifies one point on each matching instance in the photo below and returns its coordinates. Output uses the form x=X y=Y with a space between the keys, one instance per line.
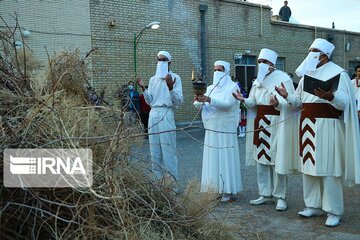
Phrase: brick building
x=55 y=25
x=195 y=32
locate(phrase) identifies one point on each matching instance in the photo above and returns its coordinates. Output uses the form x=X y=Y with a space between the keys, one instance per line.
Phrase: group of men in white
x=288 y=130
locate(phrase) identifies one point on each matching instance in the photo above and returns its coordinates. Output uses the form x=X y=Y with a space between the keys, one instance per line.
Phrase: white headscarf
x=313 y=58
x=166 y=54
x=162 y=68
x=264 y=68
x=220 y=83
x=221 y=78
x=269 y=55
x=324 y=46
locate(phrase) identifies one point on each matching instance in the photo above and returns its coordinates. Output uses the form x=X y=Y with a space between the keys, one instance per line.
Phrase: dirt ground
x=264 y=222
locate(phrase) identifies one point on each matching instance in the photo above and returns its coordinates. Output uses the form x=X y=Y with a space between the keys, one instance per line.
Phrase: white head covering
x=313 y=58
x=323 y=45
x=220 y=84
x=269 y=55
x=166 y=54
x=226 y=65
x=220 y=79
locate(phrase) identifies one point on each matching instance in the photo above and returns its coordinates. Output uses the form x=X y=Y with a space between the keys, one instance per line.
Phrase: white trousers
x=324 y=192
x=270 y=182
x=163 y=145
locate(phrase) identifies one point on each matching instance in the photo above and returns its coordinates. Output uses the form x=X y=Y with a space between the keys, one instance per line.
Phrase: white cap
x=269 y=55
x=324 y=46
x=226 y=65
x=166 y=54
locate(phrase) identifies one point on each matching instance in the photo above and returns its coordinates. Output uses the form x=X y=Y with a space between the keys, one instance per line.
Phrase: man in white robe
x=220 y=116
x=274 y=145
x=164 y=94
x=329 y=135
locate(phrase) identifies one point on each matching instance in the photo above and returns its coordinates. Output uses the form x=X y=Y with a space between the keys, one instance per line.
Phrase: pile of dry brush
x=51 y=107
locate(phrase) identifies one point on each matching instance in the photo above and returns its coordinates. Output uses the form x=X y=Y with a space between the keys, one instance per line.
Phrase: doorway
x=245 y=71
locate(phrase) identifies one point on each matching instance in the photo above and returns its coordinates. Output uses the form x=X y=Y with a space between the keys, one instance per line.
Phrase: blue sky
x=345 y=13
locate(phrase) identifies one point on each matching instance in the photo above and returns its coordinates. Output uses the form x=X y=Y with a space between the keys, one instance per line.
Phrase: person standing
x=329 y=134
x=220 y=116
x=356 y=84
x=164 y=94
x=242 y=123
x=285 y=12
x=274 y=141
x=144 y=112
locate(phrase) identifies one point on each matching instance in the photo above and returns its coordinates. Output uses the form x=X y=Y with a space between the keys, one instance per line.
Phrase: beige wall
x=231 y=27
x=56 y=25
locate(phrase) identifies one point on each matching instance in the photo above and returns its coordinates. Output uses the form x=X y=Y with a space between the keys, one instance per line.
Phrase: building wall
x=54 y=25
x=231 y=27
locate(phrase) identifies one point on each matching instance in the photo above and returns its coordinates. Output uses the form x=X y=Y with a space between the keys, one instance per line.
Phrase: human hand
x=282 y=91
x=273 y=101
x=203 y=98
x=238 y=96
x=169 y=81
x=327 y=95
x=140 y=83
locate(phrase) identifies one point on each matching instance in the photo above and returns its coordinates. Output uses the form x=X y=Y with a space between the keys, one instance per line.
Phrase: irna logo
x=46 y=165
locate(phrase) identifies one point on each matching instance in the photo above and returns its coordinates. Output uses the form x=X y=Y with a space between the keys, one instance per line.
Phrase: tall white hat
x=269 y=55
x=323 y=45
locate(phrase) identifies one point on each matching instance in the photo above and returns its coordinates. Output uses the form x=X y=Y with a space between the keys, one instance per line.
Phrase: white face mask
x=219 y=78
x=130 y=87
x=309 y=64
x=162 y=69
x=263 y=69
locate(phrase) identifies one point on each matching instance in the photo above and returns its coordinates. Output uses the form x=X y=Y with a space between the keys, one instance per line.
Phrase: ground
x=264 y=222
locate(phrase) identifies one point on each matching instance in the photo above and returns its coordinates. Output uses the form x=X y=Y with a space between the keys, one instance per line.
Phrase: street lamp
x=152 y=25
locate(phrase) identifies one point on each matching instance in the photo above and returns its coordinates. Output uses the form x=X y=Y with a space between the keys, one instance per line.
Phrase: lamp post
x=152 y=25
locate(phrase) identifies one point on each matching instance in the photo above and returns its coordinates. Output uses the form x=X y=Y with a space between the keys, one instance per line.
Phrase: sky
x=321 y=13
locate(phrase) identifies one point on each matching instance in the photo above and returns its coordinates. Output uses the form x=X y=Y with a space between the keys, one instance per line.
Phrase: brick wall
x=55 y=25
x=231 y=27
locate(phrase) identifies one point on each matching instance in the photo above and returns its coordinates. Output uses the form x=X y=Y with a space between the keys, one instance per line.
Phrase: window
x=245 y=70
x=246 y=60
x=280 y=64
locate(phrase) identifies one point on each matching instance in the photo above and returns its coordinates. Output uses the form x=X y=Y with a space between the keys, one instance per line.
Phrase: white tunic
x=158 y=94
x=335 y=152
x=282 y=144
x=161 y=119
x=221 y=160
x=357 y=92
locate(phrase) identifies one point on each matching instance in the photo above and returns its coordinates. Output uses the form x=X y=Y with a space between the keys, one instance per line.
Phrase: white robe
x=283 y=141
x=161 y=118
x=336 y=141
x=221 y=160
x=357 y=93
